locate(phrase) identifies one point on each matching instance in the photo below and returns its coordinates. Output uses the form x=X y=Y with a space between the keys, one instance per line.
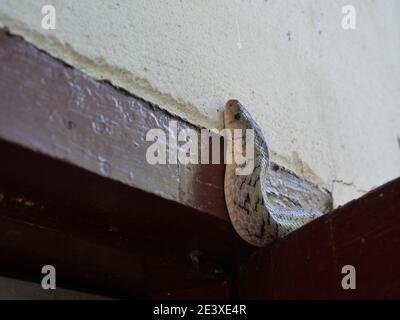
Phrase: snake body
x=270 y=202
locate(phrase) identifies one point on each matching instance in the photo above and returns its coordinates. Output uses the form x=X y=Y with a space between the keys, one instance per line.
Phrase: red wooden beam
x=104 y=236
x=308 y=263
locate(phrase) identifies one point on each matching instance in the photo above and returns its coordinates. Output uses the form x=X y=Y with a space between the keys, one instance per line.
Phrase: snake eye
x=237 y=116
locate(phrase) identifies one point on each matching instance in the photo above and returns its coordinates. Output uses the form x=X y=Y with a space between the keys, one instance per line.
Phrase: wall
x=327 y=99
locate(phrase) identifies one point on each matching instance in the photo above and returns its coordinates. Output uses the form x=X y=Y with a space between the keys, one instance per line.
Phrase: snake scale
x=270 y=202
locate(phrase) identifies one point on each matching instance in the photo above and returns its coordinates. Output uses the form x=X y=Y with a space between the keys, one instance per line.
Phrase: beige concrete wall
x=326 y=98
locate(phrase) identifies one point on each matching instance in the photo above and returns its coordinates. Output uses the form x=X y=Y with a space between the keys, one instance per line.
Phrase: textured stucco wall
x=328 y=100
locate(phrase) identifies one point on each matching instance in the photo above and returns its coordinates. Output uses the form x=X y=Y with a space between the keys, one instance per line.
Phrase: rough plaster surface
x=326 y=98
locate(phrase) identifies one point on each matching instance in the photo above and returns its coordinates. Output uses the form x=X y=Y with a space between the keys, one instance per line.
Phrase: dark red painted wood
x=104 y=234
x=31 y=80
x=308 y=263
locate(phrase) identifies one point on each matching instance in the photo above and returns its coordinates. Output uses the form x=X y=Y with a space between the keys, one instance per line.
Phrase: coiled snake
x=270 y=202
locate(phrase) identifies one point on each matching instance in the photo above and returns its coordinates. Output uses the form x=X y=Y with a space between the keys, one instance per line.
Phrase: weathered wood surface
x=308 y=263
x=103 y=243
x=103 y=234
x=57 y=110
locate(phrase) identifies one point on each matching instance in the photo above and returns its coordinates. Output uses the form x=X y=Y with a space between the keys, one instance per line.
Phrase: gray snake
x=270 y=202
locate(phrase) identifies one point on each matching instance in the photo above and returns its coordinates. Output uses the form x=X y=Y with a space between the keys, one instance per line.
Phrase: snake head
x=236 y=116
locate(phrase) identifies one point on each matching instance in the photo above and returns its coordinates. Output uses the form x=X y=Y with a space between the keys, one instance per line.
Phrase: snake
x=271 y=201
